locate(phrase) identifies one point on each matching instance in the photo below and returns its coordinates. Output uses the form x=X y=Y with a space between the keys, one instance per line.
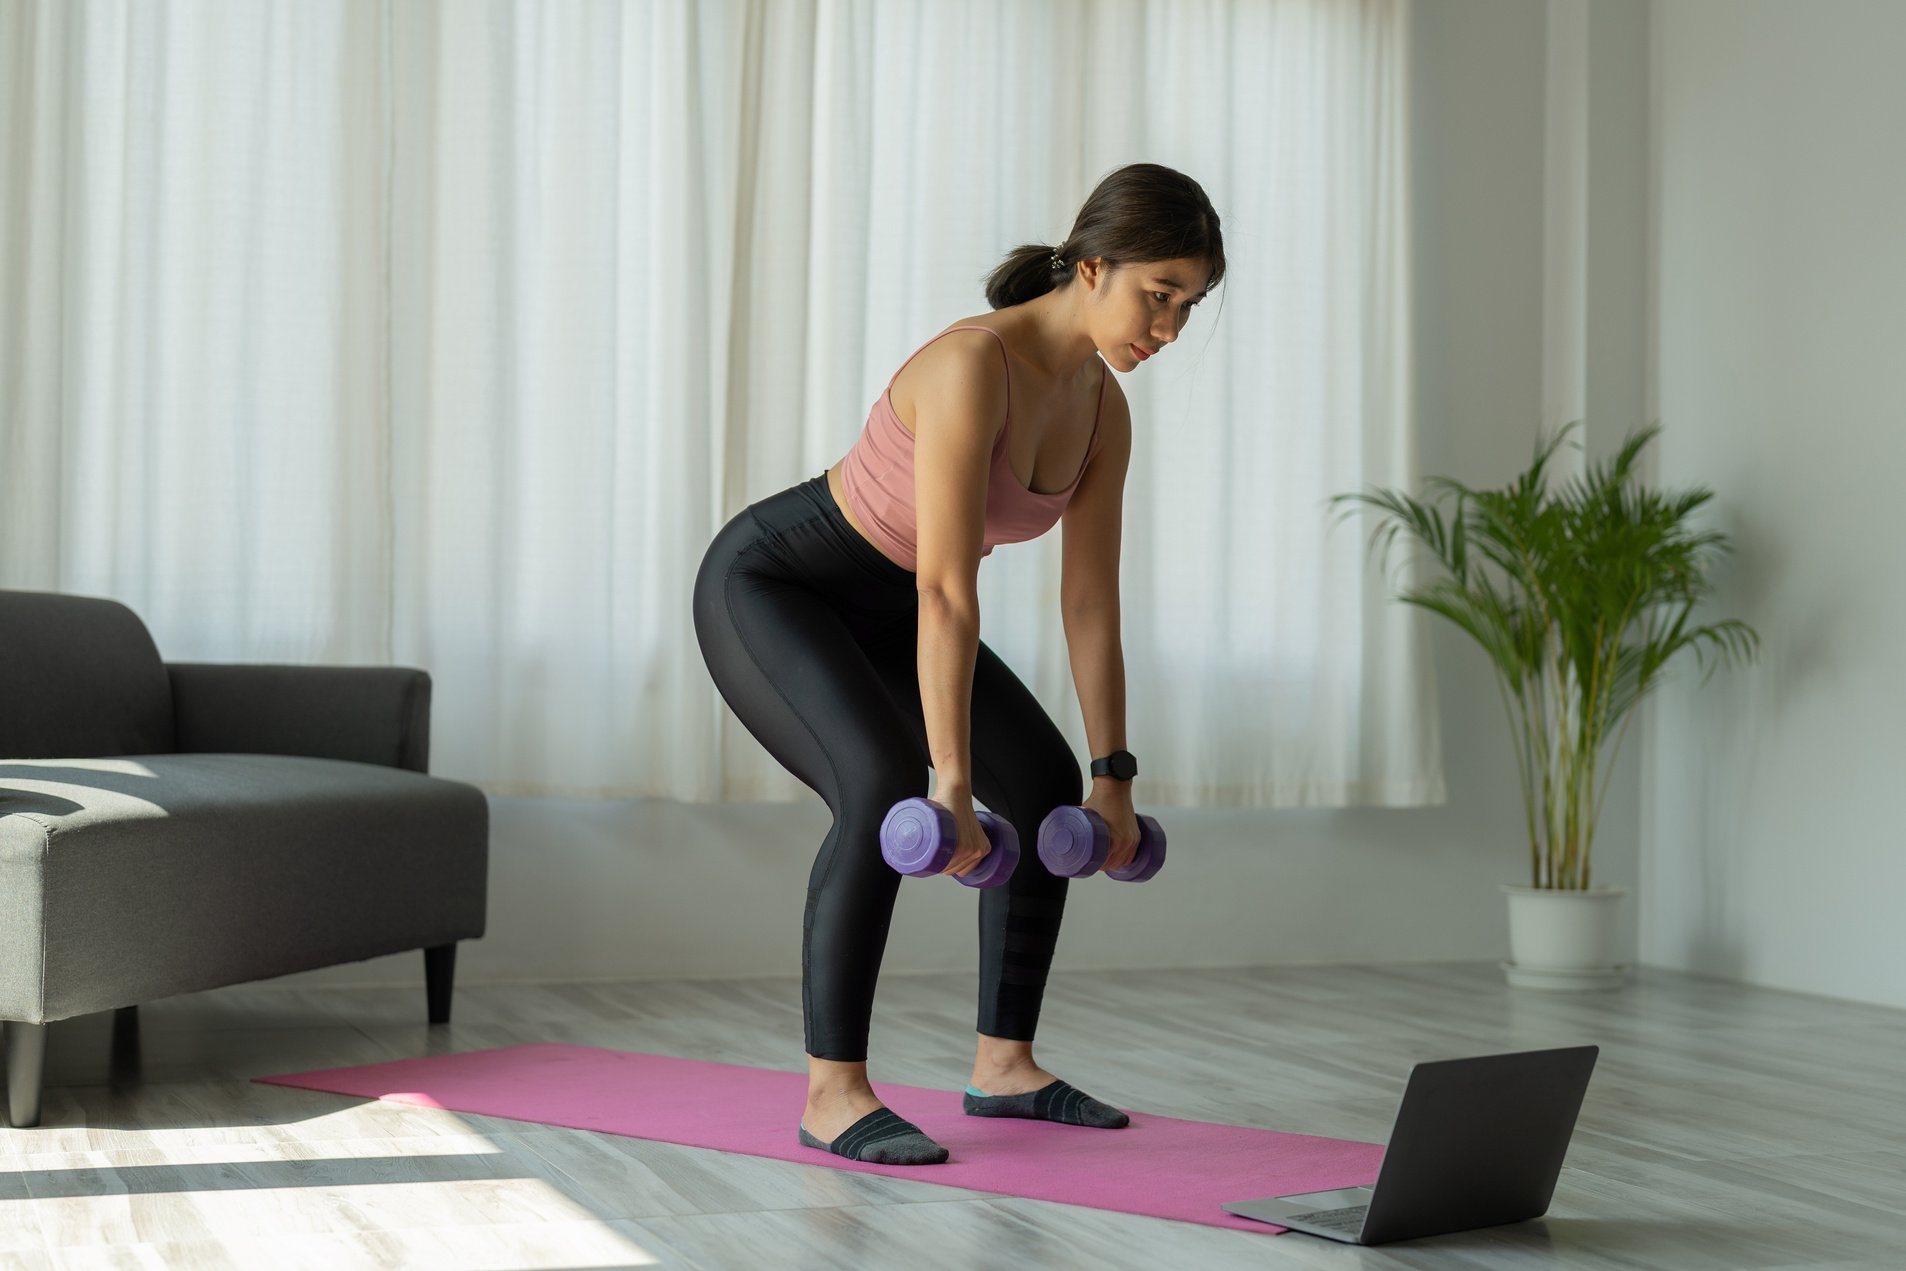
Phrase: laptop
x=1478 y=1142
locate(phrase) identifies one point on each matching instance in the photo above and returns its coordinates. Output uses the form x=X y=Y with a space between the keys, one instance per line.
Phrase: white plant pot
x=1563 y=939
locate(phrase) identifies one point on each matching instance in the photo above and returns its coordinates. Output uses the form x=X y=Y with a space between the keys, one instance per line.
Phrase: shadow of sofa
x=172 y=827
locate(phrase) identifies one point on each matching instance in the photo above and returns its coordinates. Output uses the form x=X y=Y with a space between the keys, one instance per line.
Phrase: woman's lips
x=1142 y=354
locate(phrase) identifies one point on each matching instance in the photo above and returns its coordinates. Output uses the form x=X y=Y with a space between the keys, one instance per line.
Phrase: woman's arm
x=961 y=408
x=1089 y=590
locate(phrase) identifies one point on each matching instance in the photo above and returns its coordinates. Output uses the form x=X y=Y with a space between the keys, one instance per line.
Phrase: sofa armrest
x=370 y=714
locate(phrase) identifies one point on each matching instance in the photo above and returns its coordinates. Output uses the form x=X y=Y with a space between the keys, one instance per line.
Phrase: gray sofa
x=172 y=827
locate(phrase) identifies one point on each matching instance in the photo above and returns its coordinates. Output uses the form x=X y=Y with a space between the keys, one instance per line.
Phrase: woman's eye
x=1162 y=297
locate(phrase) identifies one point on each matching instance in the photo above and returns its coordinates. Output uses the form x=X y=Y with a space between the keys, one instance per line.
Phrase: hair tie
x=1057 y=264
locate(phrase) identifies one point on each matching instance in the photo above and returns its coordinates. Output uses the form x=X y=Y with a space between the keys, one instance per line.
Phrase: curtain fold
x=449 y=335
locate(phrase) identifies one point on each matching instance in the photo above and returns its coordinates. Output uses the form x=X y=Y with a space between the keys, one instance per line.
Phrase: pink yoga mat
x=1159 y=1166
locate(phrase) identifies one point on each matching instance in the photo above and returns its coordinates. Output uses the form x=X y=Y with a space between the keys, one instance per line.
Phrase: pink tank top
x=877 y=477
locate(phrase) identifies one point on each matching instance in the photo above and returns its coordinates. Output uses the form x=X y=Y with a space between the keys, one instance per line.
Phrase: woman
x=840 y=620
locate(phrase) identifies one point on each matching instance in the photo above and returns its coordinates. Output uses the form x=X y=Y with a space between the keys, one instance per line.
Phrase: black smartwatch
x=1120 y=765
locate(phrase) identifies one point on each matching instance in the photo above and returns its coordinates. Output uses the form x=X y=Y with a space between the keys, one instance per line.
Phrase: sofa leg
x=125 y=1043
x=26 y=1065
x=440 y=971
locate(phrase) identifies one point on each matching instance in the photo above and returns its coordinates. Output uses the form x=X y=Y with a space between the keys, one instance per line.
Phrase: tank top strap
x=1091 y=443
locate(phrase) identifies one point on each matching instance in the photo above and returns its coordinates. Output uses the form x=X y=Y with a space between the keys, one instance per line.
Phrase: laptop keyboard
x=1348 y=1219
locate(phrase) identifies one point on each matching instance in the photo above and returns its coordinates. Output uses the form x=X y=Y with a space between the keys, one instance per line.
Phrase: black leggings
x=812 y=636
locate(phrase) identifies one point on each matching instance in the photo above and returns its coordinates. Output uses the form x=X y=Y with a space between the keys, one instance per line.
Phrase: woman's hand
x=973 y=843
x=1113 y=803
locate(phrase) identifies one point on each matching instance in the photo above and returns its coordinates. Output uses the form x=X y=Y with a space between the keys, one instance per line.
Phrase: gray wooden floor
x=1725 y=1127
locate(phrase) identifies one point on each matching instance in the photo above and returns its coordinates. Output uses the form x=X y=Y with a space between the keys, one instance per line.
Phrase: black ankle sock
x=882 y=1137
x=1057 y=1102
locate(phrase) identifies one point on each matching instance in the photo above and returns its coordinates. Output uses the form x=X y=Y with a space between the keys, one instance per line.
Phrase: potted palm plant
x=1580 y=601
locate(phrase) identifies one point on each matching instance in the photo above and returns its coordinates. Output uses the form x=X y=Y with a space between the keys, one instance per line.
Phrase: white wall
x=1774 y=851
x=662 y=889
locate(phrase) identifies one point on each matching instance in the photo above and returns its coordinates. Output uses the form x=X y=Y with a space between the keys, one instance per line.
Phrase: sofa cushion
x=79 y=675
x=130 y=878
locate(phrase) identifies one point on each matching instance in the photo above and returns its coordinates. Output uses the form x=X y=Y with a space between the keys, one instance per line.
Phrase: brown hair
x=1141 y=212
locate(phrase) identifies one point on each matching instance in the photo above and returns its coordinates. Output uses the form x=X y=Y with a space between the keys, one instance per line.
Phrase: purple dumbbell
x=1074 y=842
x=918 y=837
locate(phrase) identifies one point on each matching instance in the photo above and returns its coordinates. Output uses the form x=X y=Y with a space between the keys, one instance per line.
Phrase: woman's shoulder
x=969 y=335
x=960 y=360
x=965 y=349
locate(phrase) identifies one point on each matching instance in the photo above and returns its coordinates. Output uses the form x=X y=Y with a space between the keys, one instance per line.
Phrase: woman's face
x=1141 y=306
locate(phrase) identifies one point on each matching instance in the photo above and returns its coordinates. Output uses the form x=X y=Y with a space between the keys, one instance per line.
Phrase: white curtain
x=447 y=335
